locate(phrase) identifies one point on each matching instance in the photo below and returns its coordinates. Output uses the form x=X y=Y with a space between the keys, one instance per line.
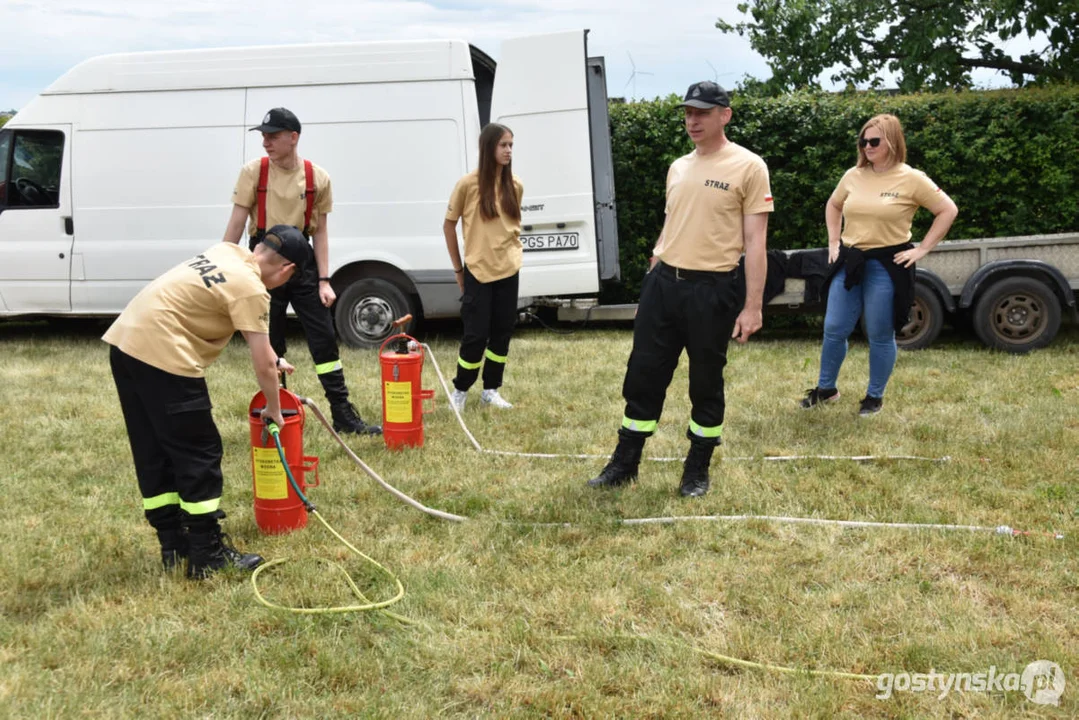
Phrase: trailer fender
x=991 y=272
x=927 y=277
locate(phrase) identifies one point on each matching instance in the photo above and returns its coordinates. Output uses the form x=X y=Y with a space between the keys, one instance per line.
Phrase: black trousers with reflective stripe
x=488 y=312
x=317 y=320
x=696 y=315
x=174 y=441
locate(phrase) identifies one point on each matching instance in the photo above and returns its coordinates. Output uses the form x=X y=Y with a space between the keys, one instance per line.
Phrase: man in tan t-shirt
x=718 y=200
x=162 y=344
x=285 y=202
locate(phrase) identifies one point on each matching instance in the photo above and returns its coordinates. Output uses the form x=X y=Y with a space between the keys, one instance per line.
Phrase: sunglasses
x=871 y=142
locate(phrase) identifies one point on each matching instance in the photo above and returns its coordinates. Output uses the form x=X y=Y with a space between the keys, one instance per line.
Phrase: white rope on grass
x=747 y=458
x=374 y=475
x=451 y=517
x=726 y=458
x=998 y=530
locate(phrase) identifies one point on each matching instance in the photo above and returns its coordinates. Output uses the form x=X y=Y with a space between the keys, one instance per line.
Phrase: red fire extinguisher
x=278 y=509
x=402 y=396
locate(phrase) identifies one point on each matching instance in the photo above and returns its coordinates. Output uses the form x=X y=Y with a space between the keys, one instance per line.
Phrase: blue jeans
x=873 y=298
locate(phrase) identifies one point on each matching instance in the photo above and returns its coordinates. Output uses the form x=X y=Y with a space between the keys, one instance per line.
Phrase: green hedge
x=1009 y=159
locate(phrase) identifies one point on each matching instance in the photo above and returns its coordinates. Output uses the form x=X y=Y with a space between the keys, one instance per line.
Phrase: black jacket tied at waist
x=853 y=260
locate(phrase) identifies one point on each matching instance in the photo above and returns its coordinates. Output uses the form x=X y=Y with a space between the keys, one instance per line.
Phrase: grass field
x=589 y=620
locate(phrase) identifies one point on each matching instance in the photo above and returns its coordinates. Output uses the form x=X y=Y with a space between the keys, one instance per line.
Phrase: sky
x=652 y=47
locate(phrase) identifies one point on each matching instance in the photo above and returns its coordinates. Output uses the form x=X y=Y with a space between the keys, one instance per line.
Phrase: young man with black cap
x=162 y=344
x=718 y=200
x=281 y=188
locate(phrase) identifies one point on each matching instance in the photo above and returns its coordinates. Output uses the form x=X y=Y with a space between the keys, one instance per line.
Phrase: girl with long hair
x=488 y=203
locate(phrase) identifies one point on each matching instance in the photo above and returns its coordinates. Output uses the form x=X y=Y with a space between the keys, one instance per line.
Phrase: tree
x=928 y=44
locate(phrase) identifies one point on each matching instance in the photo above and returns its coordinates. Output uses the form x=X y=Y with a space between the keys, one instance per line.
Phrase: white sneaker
x=491 y=397
x=457 y=399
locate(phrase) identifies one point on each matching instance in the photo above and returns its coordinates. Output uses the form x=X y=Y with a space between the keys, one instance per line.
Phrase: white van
x=125 y=166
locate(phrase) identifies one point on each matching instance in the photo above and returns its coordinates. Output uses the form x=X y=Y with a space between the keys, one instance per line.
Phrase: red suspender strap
x=264 y=177
x=309 y=193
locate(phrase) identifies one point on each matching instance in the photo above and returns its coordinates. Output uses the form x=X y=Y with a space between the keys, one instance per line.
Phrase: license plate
x=536 y=242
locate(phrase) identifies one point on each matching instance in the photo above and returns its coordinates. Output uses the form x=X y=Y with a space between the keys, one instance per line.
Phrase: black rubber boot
x=695 y=479
x=173 y=548
x=170 y=533
x=346 y=419
x=209 y=549
x=622 y=468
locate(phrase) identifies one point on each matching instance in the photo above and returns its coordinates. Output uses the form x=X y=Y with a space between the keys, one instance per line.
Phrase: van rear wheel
x=365 y=312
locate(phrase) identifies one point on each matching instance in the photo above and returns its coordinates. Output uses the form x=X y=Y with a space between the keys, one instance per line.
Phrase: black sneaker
x=346 y=419
x=870 y=405
x=818 y=396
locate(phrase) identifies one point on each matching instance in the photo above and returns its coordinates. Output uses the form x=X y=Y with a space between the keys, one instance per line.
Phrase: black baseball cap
x=289 y=243
x=277 y=120
x=705 y=95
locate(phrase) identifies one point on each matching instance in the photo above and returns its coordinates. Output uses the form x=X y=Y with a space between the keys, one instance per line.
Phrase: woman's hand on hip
x=909 y=257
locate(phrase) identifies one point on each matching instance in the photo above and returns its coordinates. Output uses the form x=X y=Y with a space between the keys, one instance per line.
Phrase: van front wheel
x=365 y=312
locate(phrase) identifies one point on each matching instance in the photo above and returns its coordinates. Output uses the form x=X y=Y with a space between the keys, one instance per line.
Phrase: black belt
x=680 y=274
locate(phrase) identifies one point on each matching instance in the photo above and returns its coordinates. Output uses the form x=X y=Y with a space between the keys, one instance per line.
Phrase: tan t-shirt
x=182 y=321
x=707 y=198
x=492 y=247
x=286 y=197
x=878 y=207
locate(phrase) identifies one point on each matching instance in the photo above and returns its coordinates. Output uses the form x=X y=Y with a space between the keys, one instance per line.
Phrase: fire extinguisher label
x=271 y=483
x=398 y=402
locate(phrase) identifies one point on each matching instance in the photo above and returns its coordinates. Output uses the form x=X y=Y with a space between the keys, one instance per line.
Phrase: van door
x=36 y=228
x=541 y=94
x=603 y=171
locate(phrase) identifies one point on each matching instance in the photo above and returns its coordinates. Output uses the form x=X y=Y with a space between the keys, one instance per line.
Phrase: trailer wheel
x=365 y=312
x=926 y=320
x=1017 y=314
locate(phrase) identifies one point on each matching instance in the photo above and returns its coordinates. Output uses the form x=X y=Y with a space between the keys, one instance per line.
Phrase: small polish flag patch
x=767 y=198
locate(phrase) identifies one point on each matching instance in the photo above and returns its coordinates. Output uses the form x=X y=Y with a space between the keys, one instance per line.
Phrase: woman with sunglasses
x=869 y=218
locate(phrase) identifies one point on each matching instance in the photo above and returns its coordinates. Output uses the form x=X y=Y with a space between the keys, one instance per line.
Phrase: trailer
x=1014 y=291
